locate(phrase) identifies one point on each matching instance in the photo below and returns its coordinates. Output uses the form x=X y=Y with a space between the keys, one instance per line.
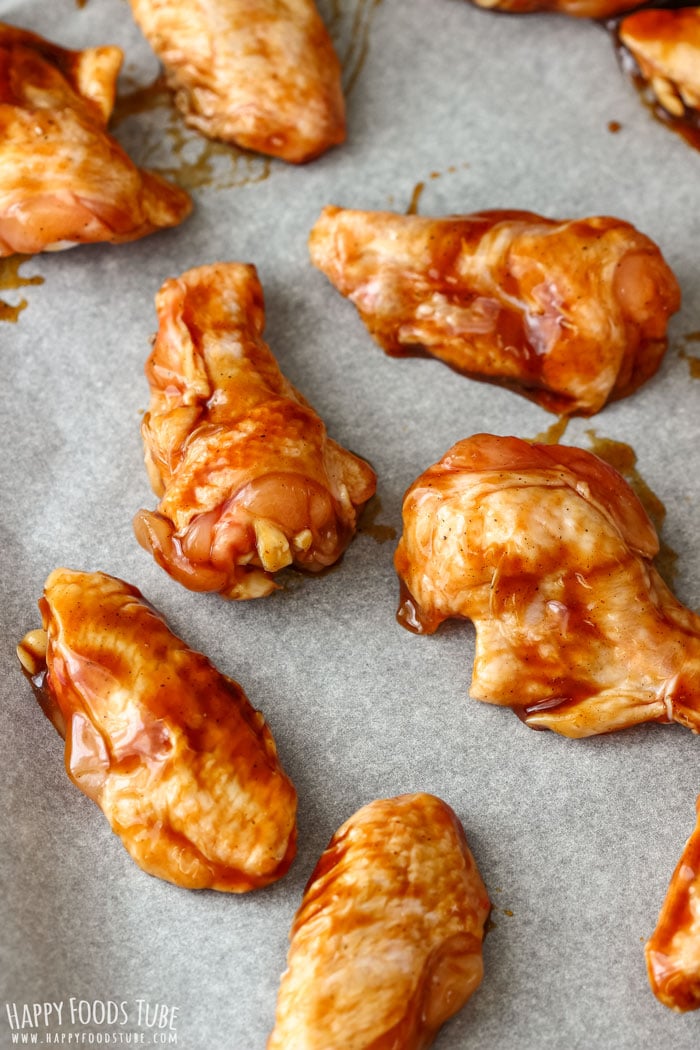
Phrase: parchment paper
x=576 y=840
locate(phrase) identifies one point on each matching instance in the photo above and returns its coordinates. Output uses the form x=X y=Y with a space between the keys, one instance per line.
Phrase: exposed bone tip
x=272 y=545
x=31 y=651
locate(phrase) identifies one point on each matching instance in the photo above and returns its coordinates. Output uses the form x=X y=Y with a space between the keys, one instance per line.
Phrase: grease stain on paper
x=350 y=27
x=693 y=360
x=419 y=188
x=10 y=280
x=554 y=433
x=623 y=459
x=369 y=526
x=194 y=161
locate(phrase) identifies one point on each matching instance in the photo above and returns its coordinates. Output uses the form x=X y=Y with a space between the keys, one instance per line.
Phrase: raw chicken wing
x=666 y=47
x=63 y=179
x=184 y=769
x=570 y=314
x=386 y=945
x=248 y=479
x=673 y=950
x=260 y=73
x=548 y=551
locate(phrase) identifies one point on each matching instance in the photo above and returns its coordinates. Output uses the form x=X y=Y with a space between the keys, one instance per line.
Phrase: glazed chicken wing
x=248 y=478
x=184 y=769
x=548 y=551
x=577 y=8
x=63 y=179
x=570 y=314
x=259 y=73
x=666 y=47
x=386 y=945
x=673 y=950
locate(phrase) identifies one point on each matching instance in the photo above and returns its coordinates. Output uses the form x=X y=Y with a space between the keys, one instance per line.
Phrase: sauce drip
x=554 y=433
x=194 y=161
x=412 y=208
x=692 y=359
x=371 y=527
x=624 y=460
x=11 y=279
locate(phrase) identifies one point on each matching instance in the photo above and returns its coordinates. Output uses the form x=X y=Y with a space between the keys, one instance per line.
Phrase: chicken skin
x=63 y=179
x=666 y=47
x=570 y=314
x=248 y=478
x=259 y=73
x=673 y=950
x=386 y=945
x=548 y=551
x=577 y=8
x=173 y=753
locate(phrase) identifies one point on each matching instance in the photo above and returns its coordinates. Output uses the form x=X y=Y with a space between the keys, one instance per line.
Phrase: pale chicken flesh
x=570 y=314
x=173 y=753
x=248 y=478
x=63 y=179
x=665 y=44
x=259 y=73
x=673 y=950
x=387 y=943
x=549 y=552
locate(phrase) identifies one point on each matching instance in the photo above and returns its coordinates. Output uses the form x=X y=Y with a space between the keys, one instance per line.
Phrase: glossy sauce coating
x=386 y=945
x=666 y=47
x=63 y=179
x=549 y=552
x=570 y=314
x=183 y=767
x=577 y=8
x=673 y=950
x=248 y=478
x=260 y=73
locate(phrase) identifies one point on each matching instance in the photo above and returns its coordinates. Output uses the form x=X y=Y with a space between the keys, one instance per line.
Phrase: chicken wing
x=182 y=766
x=260 y=73
x=548 y=551
x=386 y=945
x=63 y=179
x=673 y=950
x=570 y=314
x=248 y=479
x=666 y=47
x=577 y=8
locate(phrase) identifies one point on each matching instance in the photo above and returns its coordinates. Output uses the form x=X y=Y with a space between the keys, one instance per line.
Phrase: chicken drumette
x=673 y=950
x=181 y=764
x=548 y=551
x=260 y=73
x=665 y=44
x=570 y=314
x=63 y=179
x=386 y=945
x=248 y=478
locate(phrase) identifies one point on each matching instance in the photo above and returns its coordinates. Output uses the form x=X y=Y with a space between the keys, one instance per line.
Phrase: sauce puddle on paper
x=10 y=280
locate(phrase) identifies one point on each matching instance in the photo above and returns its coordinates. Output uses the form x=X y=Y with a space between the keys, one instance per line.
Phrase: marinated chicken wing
x=548 y=551
x=184 y=769
x=577 y=8
x=386 y=945
x=249 y=480
x=570 y=314
x=673 y=950
x=666 y=47
x=260 y=73
x=63 y=179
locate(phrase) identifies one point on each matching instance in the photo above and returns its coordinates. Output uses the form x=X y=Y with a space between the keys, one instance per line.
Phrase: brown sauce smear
x=554 y=433
x=693 y=360
x=623 y=459
x=11 y=279
x=369 y=525
x=354 y=54
x=196 y=161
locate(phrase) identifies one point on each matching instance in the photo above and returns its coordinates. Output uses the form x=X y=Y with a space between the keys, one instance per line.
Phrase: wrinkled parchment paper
x=453 y=109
